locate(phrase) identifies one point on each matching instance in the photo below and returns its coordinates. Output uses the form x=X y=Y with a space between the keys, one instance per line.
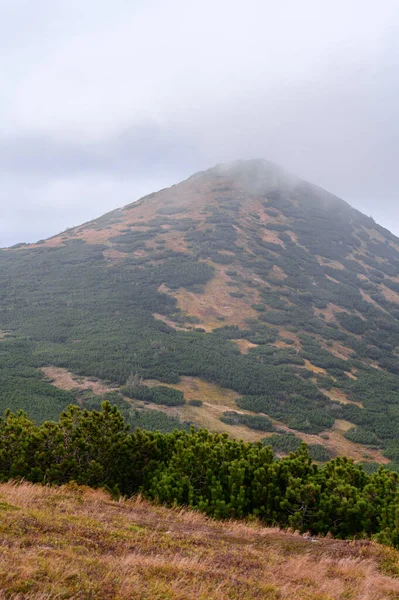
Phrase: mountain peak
x=255 y=175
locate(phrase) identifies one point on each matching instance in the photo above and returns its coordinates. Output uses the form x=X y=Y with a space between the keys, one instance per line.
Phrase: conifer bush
x=222 y=477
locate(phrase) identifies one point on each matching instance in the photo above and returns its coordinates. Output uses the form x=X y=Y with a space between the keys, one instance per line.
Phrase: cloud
x=102 y=104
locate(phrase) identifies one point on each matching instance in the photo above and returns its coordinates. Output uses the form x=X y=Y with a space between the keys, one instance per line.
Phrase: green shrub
x=257 y=422
x=195 y=402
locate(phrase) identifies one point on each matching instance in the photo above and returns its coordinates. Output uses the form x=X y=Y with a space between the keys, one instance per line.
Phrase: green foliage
x=287 y=442
x=362 y=436
x=159 y=394
x=257 y=422
x=154 y=420
x=23 y=386
x=318 y=452
x=352 y=323
x=299 y=412
x=222 y=477
x=283 y=443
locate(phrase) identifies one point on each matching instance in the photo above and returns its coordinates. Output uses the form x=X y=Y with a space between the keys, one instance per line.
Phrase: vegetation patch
x=257 y=422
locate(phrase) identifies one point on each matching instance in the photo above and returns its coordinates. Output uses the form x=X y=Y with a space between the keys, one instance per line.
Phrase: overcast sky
x=104 y=101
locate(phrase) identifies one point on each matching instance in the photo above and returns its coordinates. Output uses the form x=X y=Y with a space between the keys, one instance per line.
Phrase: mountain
x=243 y=299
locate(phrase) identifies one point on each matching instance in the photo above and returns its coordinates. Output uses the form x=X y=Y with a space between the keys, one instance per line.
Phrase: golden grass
x=169 y=322
x=216 y=400
x=195 y=388
x=334 y=264
x=244 y=345
x=338 y=395
x=4 y=334
x=329 y=312
x=368 y=298
x=216 y=302
x=76 y=543
x=114 y=255
x=65 y=380
x=389 y=294
x=345 y=447
x=338 y=349
x=314 y=368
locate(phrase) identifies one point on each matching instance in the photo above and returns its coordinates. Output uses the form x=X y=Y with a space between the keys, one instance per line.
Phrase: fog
x=104 y=102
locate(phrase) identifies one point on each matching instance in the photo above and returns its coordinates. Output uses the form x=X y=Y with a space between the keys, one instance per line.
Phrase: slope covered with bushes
x=243 y=276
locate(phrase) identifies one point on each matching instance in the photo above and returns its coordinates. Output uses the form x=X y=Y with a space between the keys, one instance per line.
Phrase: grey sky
x=103 y=102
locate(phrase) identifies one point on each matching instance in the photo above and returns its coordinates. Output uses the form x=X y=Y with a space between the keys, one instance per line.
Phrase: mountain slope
x=78 y=543
x=245 y=278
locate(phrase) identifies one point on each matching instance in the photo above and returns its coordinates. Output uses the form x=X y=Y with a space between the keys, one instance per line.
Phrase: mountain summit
x=267 y=306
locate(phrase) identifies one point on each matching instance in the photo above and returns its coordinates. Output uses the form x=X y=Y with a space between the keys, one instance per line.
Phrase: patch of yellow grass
x=195 y=388
x=77 y=543
x=389 y=294
x=114 y=255
x=208 y=416
x=338 y=395
x=65 y=380
x=314 y=369
x=169 y=322
x=216 y=302
x=244 y=345
x=345 y=447
x=216 y=400
x=338 y=349
x=334 y=264
x=369 y=299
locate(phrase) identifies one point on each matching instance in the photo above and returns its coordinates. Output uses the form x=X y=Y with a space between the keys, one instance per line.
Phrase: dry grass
x=76 y=543
x=389 y=294
x=337 y=349
x=334 y=264
x=216 y=302
x=195 y=388
x=370 y=300
x=65 y=380
x=338 y=395
x=329 y=312
x=5 y=334
x=345 y=447
x=208 y=416
x=314 y=368
x=278 y=273
x=169 y=322
x=114 y=255
x=216 y=400
x=244 y=345
x=284 y=333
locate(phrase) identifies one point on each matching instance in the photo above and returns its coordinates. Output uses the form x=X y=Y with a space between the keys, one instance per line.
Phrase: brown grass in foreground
x=77 y=543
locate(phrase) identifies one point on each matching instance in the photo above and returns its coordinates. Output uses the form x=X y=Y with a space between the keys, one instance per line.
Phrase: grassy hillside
x=73 y=542
x=243 y=277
